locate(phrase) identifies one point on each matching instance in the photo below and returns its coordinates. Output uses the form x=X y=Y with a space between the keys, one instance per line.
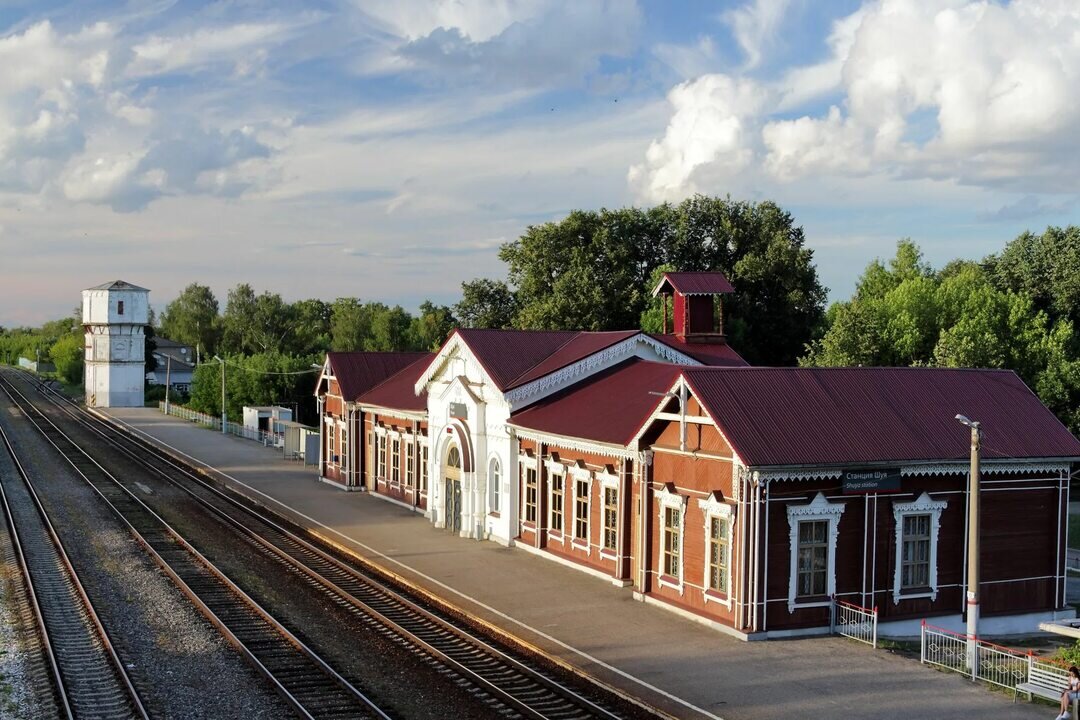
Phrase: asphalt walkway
x=670 y=662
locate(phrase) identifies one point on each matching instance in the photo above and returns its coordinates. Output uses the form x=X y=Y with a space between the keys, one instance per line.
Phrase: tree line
x=595 y=270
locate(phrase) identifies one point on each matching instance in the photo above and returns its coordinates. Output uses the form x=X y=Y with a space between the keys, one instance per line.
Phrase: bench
x=1047 y=681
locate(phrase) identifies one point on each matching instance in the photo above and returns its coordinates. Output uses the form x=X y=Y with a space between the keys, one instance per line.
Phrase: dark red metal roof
x=716 y=354
x=580 y=346
x=398 y=391
x=608 y=407
x=694 y=283
x=843 y=416
x=507 y=354
x=358 y=372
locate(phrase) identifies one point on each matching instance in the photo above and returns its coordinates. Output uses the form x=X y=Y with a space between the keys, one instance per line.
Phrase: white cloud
x=689 y=61
x=232 y=44
x=515 y=43
x=754 y=25
x=968 y=92
x=710 y=126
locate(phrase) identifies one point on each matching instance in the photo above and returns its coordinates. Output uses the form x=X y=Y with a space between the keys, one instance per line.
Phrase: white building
x=115 y=316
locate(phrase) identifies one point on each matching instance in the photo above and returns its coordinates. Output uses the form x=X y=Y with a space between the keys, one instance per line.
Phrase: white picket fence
x=855 y=622
x=266 y=438
x=994 y=664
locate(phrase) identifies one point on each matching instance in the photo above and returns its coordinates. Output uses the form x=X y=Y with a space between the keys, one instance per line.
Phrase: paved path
x=680 y=666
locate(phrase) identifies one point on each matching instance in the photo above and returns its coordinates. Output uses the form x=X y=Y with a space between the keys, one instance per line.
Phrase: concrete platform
x=667 y=661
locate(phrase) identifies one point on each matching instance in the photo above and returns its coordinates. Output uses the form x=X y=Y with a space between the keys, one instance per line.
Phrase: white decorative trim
x=986 y=467
x=419 y=415
x=678 y=502
x=818 y=509
x=921 y=506
x=608 y=480
x=800 y=474
x=713 y=507
x=581 y=473
x=597 y=361
x=555 y=466
x=576 y=444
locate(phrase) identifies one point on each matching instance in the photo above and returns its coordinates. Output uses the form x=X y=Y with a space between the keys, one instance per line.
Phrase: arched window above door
x=453 y=458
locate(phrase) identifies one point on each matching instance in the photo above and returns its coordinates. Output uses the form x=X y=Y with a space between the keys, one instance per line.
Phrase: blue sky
x=385 y=148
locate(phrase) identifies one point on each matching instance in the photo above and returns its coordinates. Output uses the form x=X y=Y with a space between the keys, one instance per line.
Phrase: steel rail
x=309 y=684
x=509 y=680
x=67 y=661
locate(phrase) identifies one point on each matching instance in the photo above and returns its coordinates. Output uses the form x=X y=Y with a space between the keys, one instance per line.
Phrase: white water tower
x=114 y=317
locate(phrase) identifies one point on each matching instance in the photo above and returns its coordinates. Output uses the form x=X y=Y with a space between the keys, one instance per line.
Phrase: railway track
x=511 y=684
x=314 y=689
x=89 y=679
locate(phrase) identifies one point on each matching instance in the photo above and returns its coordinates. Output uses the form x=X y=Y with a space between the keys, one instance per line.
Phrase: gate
x=855 y=622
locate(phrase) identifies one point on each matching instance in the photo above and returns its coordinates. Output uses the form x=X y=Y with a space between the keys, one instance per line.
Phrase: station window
x=581 y=509
x=344 y=445
x=119 y=307
x=917 y=524
x=557 y=502
x=331 y=441
x=381 y=455
x=395 y=461
x=530 y=494
x=670 y=564
x=611 y=518
x=410 y=463
x=813 y=557
x=494 y=480
x=718 y=554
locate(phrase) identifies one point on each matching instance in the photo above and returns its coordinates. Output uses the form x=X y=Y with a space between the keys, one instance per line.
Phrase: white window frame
x=410 y=462
x=923 y=505
x=343 y=443
x=609 y=481
x=395 y=459
x=525 y=464
x=380 y=453
x=556 y=469
x=494 y=481
x=675 y=501
x=422 y=485
x=818 y=509
x=713 y=507
x=331 y=444
x=583 y=475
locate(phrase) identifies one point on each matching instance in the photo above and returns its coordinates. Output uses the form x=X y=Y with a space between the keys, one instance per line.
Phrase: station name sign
x=459 y=411
x=862 y=481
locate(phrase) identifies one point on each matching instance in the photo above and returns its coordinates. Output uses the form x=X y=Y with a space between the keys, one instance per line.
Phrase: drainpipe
x=415 y=464
x=757 y=549
x=765 y=568
x=322 y=436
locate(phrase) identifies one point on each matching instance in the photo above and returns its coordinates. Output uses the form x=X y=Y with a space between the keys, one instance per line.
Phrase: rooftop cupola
x=697 y=312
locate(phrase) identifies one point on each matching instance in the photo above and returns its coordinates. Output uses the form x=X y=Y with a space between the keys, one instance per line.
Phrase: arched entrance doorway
x=451 y=472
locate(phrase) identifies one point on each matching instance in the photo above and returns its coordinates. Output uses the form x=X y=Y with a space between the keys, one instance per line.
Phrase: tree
x=592 y=270
x=432 y=326
x=1047 y=267
x=261 y=379
x=389 y=329
x=486 y=304
x=68 y=355
x=350 y=324
x=256 y=323
x=311 y=320
x=192 y=319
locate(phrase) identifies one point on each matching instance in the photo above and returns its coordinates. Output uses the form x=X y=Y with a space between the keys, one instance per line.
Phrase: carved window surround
x=923 y=505
x=818 y=509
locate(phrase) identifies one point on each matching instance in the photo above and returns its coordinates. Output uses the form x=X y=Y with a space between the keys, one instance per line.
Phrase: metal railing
x=994 y=664
x=855 y=622
x=270 y=439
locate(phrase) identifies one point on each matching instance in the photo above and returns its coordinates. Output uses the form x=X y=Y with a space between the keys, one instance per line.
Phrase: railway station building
x=743 y=498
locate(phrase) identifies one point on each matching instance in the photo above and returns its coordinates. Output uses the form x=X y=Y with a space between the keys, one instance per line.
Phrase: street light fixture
x=223 y=417
x=973 y=545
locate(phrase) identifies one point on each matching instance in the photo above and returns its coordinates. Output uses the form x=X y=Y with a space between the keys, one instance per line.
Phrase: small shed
x=300 y=442
x=266 y=417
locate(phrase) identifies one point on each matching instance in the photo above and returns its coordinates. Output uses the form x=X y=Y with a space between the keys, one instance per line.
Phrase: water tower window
x=119 y=307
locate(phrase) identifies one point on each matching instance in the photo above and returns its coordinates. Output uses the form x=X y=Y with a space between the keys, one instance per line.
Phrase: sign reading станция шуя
x=871 y=480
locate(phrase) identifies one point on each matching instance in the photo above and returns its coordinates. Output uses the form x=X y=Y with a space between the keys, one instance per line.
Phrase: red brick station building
x=741 y=497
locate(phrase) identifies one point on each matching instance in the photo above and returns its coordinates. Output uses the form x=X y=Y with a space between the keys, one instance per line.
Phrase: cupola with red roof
x=697 y=312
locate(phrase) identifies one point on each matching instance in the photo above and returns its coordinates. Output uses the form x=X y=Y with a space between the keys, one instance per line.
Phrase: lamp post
x=973 y=546
x=223 y=417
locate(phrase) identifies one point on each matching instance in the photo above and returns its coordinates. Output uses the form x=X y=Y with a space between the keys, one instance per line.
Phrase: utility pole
x=973 y=547
x=168 y=380
x=224 y=419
